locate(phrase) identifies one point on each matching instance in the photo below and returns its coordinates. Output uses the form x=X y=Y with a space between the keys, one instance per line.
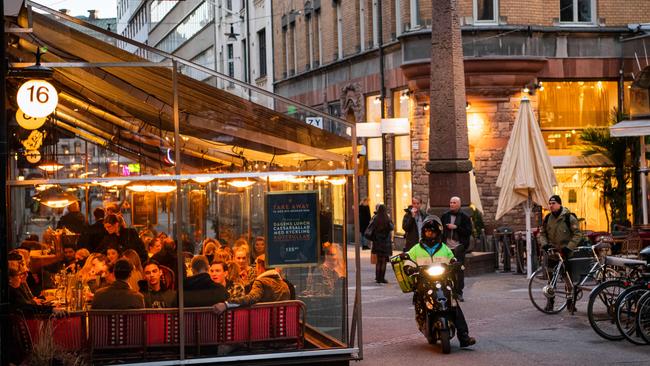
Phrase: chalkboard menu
x=144 y=210
x=291 y=228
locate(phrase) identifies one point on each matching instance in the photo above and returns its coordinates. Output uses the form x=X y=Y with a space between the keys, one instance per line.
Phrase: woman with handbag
x=379 y=232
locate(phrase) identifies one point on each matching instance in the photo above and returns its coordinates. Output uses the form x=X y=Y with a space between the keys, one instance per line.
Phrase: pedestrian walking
x=364 y=221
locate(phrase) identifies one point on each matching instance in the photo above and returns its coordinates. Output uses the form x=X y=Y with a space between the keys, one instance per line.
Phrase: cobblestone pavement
x=509 y=330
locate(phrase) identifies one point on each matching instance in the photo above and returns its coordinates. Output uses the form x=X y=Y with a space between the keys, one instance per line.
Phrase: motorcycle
x=433 y=287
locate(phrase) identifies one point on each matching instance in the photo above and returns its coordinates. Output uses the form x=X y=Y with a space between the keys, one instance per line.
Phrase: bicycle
x=601 y=307
x=627 y=311
x=643 y=317
x=551 y=288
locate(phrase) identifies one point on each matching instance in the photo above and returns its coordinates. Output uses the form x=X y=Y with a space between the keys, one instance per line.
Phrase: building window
x=319 y=37
x=188 y=28
x=577 y=11
x=261 y=45
x=230 y=62
x=486 y=11
x=285 y=50
x=244 y=60
x=375 y=155
x=159 y=9
x=402 y=156
x=415 y=16
x=375 y=23
x=206 y=59
x=339 y=30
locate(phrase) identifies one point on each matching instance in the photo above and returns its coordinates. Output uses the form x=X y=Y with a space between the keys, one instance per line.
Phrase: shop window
x=373 y=109
x=375 y=188
x=402 y=155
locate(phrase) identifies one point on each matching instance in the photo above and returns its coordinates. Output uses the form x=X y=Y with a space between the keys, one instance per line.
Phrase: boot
x=465 y=340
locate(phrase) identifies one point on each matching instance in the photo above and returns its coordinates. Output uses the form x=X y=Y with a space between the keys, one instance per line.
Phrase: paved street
x=509 y=330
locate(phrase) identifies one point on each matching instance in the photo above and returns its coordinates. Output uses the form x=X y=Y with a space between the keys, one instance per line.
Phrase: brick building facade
x=327 y=55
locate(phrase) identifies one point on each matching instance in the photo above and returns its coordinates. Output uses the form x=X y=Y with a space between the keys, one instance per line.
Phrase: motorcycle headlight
x=435 y=271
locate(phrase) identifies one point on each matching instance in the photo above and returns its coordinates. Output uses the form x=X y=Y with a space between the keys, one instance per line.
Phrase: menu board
x=144 y=210
x=291 y=228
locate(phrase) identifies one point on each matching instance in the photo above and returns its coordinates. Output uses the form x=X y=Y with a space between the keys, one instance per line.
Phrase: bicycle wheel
x=547 y=293
x=643 y=317
x=626 y=312
x=601 y=309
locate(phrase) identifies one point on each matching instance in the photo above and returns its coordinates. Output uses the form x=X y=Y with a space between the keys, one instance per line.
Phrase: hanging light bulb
x=241 y=183
x=156 y=187
x=55 y=197
x=50 y=166
x=338 y=181
x=202 y=179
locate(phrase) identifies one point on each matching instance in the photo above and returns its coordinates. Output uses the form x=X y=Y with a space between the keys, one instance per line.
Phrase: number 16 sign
x=37 y=98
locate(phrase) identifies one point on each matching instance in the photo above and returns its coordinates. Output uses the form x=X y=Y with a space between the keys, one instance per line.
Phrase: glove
x=566 y=252
x=219 y=308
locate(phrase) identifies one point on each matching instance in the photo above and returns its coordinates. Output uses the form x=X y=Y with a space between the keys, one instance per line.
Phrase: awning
x=579 y=161
x=639 y=127
x=132 y=107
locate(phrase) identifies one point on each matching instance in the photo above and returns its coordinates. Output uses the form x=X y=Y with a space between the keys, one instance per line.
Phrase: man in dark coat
x=364 y=220
x=412 y=223
x=119 y=295
x=155 y=293
x=200 y=290
x=457 y=229
x=267 y=287
x=73 y=220
x=122 y=237
x=94 y=233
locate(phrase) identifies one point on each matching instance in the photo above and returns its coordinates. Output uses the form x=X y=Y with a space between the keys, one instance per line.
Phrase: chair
x=168 y=277
x=631 y=245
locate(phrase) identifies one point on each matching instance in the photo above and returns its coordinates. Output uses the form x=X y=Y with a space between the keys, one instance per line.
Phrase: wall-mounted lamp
x=468 y=106
x=426 y=106
x=531 y=89
x=232 y=36
x=405 y=95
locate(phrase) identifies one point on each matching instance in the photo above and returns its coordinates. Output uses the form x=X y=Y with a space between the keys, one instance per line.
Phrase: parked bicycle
x=627 y=310
x=551 y=288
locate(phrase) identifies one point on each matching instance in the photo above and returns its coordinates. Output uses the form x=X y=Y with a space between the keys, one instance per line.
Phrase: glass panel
x=577 y=104
x=401 y=102
x=582 y=199
x=403 y=194
x=485 y=10
x=373 y=109
x=375 y=188
x=190 y=26
x=584 y=10
x=205 y=59
x=402 y=149
x=159 y=9
x=561 y=139
x=566 y=11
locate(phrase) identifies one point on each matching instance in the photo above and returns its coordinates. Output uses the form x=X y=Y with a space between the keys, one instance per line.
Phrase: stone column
x=449 y=163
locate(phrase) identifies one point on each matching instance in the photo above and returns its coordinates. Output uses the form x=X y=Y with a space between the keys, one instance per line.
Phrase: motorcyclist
x=431 y=250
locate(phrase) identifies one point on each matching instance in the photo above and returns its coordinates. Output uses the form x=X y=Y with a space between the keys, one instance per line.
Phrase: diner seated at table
x=200 y=290
x=325 y=278
x=238 y=287
x=167 y=255
x=33 y=279
x=80 y=256
x=156 y=295
x=138 y=273
x=246 y=271
x=210 y=247
x=219 y=272
x=154 y=246
x=20 y=298
x=119 y=295
x=259 y=248
x=112 y=253
x=94 y=272
x=267 y=287
x=223 y=254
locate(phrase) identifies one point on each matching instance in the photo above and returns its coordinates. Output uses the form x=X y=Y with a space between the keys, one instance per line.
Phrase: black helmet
x=432 y=222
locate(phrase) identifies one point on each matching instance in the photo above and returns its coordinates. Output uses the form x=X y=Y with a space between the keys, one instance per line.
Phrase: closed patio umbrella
x=526 y=171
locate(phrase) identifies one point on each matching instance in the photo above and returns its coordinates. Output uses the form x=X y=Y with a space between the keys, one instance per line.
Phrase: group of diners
x=119 y=268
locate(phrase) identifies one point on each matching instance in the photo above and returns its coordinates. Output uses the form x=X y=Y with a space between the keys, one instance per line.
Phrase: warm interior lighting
x=474 y=125
x=321 y=178
x=241 y=183
x=274 y=178
x=50 y=166
x=294 y=179
x=42 y=187
x=377 y=100
x=55 y=197
x=426 y=107
x=338 y=181
x=156 y=187
x=468 y=106
x=114 y=183
x=202 y=180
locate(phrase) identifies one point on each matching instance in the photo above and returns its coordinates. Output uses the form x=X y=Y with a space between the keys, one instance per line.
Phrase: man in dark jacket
x=457 y=229
x=94 y=234
x=73 y=220
x=119 y=295
x=267 y=287
x=200 y=290
x=364 y=221
x=155 y=293
x=122 y=237
x=412 y=223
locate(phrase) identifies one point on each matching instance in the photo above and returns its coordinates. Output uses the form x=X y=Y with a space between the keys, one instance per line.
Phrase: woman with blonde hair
x=236 y=286
x=246 y=271
x=210 y=247
x=137 y=273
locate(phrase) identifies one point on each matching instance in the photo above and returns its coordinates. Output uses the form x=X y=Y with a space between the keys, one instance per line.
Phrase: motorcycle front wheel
x=445 y=340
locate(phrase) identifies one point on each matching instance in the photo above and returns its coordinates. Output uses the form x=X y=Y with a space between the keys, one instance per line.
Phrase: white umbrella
x=475 y=197
x=526 y=171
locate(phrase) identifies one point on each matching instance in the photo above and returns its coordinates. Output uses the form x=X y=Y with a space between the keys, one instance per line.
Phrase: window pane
x=374 y=150
x=577 y=104
x=190 y=26
x=375 y=189
x=401 y=103
x=373 y=109
x=584 y=10
x=485 y=9
x=403 y=195
x=566 y=10
x=402 y=148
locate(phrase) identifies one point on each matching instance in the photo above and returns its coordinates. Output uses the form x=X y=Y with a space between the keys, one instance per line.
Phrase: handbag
x=369 y=233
